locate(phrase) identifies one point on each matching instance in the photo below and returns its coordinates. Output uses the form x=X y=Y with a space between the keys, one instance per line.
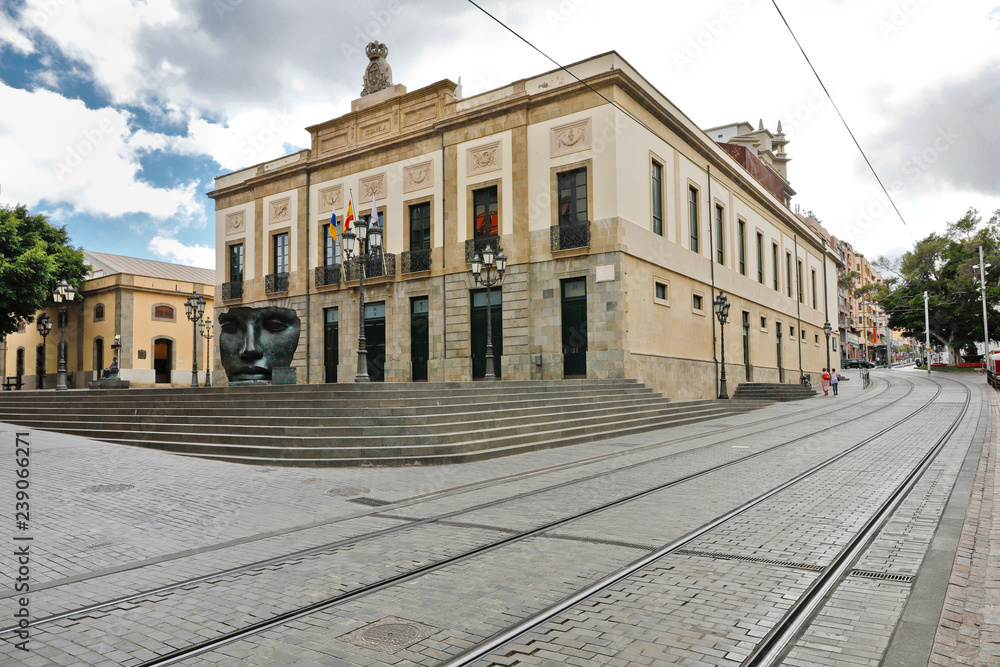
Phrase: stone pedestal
x=109 y=383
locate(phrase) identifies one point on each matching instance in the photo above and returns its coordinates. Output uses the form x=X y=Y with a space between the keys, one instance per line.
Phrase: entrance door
x=375 y=340
x=331 y=342
x=746 y=343
x=40 y=365
x=479 y=331
x=98 y=357
x=781 y=368
x=574 y=327
x=162 y=354
x=19 y=366
x=419 y=339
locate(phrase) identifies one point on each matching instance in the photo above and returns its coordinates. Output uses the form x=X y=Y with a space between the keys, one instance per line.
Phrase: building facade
x=621 y=221
x=140 y=300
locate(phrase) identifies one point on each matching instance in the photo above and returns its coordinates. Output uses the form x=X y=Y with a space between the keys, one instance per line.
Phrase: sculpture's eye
x=229 y=327
x=274 y=324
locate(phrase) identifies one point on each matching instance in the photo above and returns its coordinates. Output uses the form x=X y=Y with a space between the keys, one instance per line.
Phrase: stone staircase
x=763 y=391
x=362 y=424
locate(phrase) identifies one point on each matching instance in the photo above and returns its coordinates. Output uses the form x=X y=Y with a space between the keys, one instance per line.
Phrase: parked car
x=858 y=363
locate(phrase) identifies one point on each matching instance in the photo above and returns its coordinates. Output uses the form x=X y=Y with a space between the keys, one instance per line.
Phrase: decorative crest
x=378 y=74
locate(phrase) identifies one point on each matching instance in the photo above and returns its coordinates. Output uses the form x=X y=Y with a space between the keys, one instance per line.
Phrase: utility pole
x=927 y=333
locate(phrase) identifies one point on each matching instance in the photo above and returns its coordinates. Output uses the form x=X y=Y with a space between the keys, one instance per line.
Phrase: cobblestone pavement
x=110 y=521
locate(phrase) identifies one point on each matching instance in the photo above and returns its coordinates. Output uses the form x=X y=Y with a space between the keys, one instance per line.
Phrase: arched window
x=164 y=312
x=99 y=312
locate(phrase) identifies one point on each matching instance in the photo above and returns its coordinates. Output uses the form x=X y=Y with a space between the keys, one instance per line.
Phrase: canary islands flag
x=333 y=225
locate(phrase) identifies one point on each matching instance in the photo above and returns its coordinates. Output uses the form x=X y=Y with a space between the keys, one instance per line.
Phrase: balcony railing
x=232 y=290
x=374 y=268
x=416 y=260
x=564 y=237
x=472 y=246
x=276 y=282
x=327 y=275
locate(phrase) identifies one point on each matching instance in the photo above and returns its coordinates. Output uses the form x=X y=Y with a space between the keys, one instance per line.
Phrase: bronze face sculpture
x=255 y=341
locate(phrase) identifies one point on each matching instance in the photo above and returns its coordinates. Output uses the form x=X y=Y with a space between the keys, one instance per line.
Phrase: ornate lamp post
x=828 y=329
x=721 y=307
x=206 y=331
x=63 y=295
x=44 y=324
x=488 y=270
x=195 y=308
x=368 y=246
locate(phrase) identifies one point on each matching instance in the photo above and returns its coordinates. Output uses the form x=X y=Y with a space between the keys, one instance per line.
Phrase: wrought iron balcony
x=232 y=290
x=416 y=260
x=327 y=275
x=375 y=267
x=276 y=282
x=472 y=246
x=564 y=237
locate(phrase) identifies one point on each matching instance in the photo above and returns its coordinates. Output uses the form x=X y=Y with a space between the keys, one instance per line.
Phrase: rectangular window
x=484 y=211
x=741 y=241
x=656 y=176
x=763 y=323
x=720 y=235
x=814 y=288
x=802 y=334
x=331 y=249
x=791 y=331
x=572 y=189
x=661 y=291
x=788 y=273
x=236 y=262
x=696 y=302
x=280 y=255
x=420 y=226
x=798 y=280
x=760 y=258
x=774 y=262
x=693 y=217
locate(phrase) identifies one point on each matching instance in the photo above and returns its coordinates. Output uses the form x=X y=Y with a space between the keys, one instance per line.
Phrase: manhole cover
x=390 y=634
x=108 y=488
x=348 y=491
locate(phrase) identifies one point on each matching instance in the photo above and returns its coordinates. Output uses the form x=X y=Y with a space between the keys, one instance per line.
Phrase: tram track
x=408 y=523
x=388 y=582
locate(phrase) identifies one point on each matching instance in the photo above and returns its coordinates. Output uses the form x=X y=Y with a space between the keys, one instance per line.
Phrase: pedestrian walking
x=834 y=380
x=826 y=383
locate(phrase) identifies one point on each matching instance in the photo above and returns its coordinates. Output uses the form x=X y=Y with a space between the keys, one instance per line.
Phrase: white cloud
x=9 y=34
x=172 y=250
x=84 y=158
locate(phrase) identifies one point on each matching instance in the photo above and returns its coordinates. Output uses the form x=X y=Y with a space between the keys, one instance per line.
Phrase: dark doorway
x=574 y=327
x=479 y=331
x=375 y=340
x=40 y=365
x=781 y=369
x=746 y=343
x=331 y=342
x=19 y=367
x=419 y=338
x=98 y=357
x=162 y=355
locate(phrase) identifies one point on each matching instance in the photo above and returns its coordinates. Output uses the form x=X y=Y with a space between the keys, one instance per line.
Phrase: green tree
x=943 y=266
x=34 y=256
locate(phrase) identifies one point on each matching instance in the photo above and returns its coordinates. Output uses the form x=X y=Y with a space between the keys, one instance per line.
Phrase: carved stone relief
x=418 y=176
x=372 y=184
x=236 y=222
x=570 y=138
x=280 y=211
x=330 y=198
x=483 y=159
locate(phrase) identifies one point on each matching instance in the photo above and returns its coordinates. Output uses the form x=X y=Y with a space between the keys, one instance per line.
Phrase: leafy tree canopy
x=943 y=265
x=34 y=256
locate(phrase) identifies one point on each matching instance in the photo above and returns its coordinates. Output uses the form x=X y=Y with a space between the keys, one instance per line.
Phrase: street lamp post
x=828 y=329
x=721 y=306
x=63 y=295
x=195 y=308
x=488 y=270
x=44 y=324
x=207 y=333
x=369 y=246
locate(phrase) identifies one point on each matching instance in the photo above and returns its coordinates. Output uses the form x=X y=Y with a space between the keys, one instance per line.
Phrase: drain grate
x=97 y=544
x=348 y=491
x=370 y=502
x=390 y=634
x=884 y=576
x=751 y=559
x=109 y=488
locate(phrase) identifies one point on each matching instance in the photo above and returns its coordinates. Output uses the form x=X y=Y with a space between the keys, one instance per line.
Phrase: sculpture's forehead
x=255 y=315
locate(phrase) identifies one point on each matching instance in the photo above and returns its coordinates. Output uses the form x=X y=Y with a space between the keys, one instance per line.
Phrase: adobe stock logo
x=712 y=30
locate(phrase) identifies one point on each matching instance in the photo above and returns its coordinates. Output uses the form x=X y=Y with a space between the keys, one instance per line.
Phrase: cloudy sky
x=116 y=115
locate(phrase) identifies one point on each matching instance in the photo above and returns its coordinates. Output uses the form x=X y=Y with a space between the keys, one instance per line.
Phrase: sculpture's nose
x=250 y=349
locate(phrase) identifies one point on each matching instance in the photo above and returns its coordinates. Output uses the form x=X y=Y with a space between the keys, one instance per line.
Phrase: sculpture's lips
x=252 y=373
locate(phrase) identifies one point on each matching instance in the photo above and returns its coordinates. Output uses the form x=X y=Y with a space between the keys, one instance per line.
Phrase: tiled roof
x=105 y=264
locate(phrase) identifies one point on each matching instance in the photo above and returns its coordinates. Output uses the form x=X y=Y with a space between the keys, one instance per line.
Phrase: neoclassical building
x=621 y=220
x=140 y=300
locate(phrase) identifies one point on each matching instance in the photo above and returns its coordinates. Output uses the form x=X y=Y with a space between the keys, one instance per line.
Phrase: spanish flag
x=350 y=216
